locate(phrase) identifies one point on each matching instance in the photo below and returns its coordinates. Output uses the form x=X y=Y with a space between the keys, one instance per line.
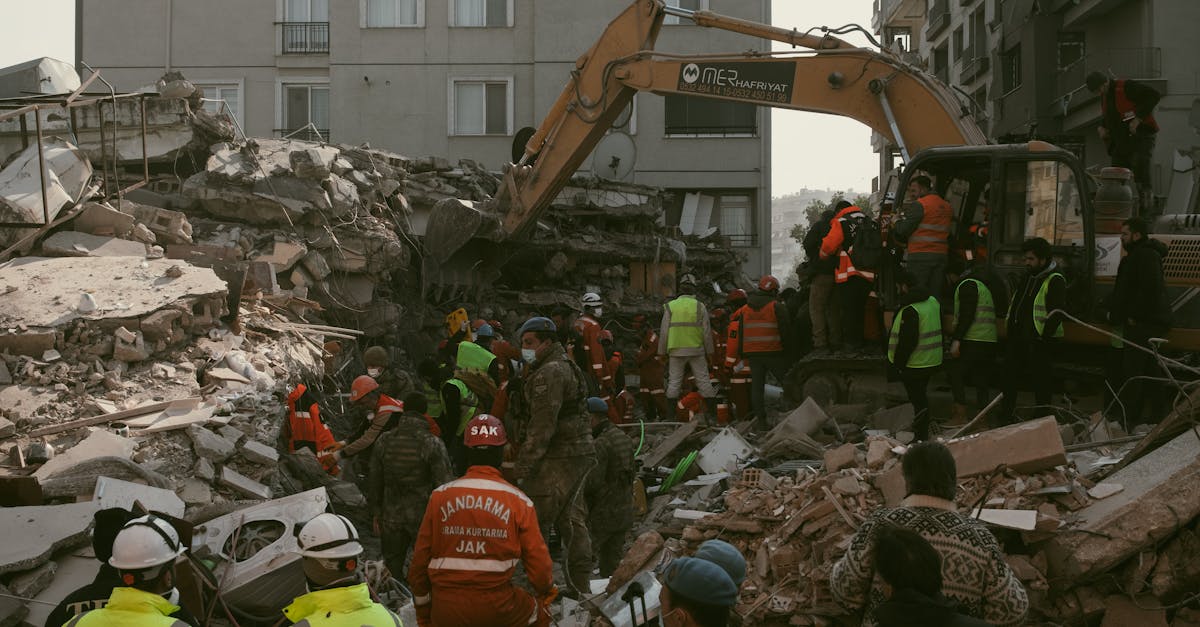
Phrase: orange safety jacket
x=733 y=361
x=650 y=364
x=716 y=360
x=590 y=330
x=759 y=330
x=835 y=242
x=306 y=431
x=933 y=233
x=1125 y=107
x=386 y=409
x=475 y=531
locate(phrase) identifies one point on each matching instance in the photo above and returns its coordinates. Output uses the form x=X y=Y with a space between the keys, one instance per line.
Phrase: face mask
x=528 y=355
x=374 y=372
x=172 y=596
x=599 y=311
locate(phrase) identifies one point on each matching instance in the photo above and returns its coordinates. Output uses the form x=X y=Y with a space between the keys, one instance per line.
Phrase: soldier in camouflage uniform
x=408 y=462
x=394 y=382
x=555 y=444
x=609 y=488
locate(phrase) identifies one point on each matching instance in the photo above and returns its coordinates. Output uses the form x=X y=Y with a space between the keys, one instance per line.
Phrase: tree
x=812 y=212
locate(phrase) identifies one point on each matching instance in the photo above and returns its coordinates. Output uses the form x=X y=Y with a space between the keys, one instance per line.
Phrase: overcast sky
x=809 y=149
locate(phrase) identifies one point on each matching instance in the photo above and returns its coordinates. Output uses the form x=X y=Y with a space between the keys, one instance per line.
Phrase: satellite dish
x=614 y=157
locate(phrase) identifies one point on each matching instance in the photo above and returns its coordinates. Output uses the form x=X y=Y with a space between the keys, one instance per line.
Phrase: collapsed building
x=166 y=281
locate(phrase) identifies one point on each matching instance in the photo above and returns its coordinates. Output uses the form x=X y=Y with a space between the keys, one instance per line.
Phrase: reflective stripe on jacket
x=468 y=404
x=350 y=606
x=686 y=329
x=835 y=243
x=760 y=330
x=597 y=364
x=933 y=233
x=983 y=327
x=130 y=607
x=928 y=352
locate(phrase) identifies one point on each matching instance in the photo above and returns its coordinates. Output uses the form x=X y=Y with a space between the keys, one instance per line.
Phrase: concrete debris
x=209 y=445
x=99 y=444
x=80 y=479
x=117 y=493
x=31 y=583
x=40 y=531
x=1026 y=447
x=12 y=609
x=259 y=453
x=244 y=485
x=68 y=173
x=76 y=244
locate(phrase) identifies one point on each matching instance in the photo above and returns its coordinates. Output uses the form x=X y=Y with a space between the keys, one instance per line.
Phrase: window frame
x=1007 y=59
x=667 y=134
x=237 y=83
x=281 y=85
x=363 y=11
x=510 y=103
x=452 y=5
x=1081 y=43
x=672 y=20
x=282 y=12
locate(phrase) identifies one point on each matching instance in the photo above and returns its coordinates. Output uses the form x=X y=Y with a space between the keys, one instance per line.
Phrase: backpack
x=866 y=244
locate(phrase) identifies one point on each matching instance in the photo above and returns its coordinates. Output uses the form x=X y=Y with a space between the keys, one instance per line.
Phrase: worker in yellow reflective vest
x=915 y=347
x=979 y=296
x=1033 y=333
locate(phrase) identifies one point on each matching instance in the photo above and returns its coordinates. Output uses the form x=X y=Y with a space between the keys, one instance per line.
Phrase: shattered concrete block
x=77 y=244
x=143 y=234
x=1025 y=447
x=343 y=196
x=166 y=325
x=31 y=583
x=644 y=548
x=259 y=453
x=129 y=350
x=245 y=485
x=316 y=265
x=99 y=219
x=7 y=428
x=894 y=419
x=260 y=275
x=284 y=255
x=204 y=470
x=301 y=279
x=209 y=445
x=891 y=483
x=847 y=485
x=878 y=452
x=195 y=492
x=340 y=166
x=37 y=532
x=841 y=457
x=231 y=433
x=312 y=162
x=100 y=443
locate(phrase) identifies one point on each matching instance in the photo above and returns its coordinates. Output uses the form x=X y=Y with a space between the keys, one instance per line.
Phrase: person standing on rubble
x=407 y=463
x=852 y=285
x=765 y=340
x=738 y=371
x=392 y=381
x=978 y=296
x=474 y=533
x=555 y=451
x=911 y=570
x=143 y=554
x=650 y=371
x=1033 y=334
x=924 y=230
x=822 y=308
x=915 y=347
x=976 y=576
x=587 y=325
x=381 y=409
x=686 y=339
x=1128 y=128
x=337 y=595
x=609 y=490
x=696 y=593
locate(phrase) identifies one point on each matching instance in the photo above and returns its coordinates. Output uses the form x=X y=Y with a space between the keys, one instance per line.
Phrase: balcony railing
x=305 y=37
x=308 y=133
x=974 y=68
x=1135 y=63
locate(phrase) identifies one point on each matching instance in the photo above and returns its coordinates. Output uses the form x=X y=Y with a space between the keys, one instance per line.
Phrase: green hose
x=643 y=440
x=680 y=470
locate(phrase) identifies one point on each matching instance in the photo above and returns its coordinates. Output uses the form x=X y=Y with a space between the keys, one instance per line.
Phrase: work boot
x=959 y=415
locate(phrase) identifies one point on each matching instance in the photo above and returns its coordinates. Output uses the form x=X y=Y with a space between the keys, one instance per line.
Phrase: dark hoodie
x=1139 y=297
x=909 y=608
x=967 y=297
x=759 y=299
x=1020 y=321
x=910 y=324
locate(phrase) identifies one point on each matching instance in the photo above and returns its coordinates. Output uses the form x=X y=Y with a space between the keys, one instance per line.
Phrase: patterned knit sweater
x=974 y=573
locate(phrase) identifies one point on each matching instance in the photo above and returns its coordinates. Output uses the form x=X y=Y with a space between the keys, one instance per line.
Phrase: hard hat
x=537 y=324
x=376 y=356
x=484 y=430
x=485 y=331
x=737 y=295
x=605 y=334
x=145 y=542
x=478 y=322
x=329 y=536
x=687 y=279
x=768 y=283
x=361 y=387
x=591 y=299
x=596 y=405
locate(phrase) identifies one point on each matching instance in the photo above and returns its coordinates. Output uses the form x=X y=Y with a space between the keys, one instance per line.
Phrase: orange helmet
x=361 y=387
x=736 y=296
x=768 y=283
x=605 y=334
x=484 y=430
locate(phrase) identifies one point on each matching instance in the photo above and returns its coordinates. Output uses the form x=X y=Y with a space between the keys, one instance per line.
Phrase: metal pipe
x=42 y=169
x=891 y=118
x=145 y=158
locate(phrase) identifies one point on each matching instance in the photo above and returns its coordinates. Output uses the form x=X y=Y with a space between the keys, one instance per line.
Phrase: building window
x=1071 y=49
x=223 y=98
x=1010 y=68
x=958 y=43
x=481 y=106
x=305 y=27
x=901 y=35
x=729 y=212
x=978 y=35
x=692 y=116
x=392 y=13
x=691 y=5
x=305 y=112
x=481 y=13
x=736 y=213
x=941 y=64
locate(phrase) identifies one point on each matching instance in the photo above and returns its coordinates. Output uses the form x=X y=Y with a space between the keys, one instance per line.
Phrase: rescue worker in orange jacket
x=1128 y=128
x=381 y=408
x=852 y=285
x=924 y=229
x=474 y=533
x=765 y=337
x=304 y=429
x=737 y=370
x=653 y=393
x=614 y=361
x=587 y=325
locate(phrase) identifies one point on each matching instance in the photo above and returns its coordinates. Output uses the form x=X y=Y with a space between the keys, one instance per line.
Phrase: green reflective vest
x=686 y=329
x=133 y=607
x=350 y=606
x=472 y=356
x=468 y=402
x=1040 y=315
x=983 y=328
x=433 y=399
x=928 y=352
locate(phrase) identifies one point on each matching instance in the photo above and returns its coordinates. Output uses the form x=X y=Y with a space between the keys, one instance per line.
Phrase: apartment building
x=454 y=78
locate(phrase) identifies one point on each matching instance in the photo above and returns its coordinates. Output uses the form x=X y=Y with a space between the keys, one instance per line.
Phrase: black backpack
x=865 y=242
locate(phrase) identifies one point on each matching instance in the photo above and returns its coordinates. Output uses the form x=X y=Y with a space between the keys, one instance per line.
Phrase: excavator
x=1027 y=190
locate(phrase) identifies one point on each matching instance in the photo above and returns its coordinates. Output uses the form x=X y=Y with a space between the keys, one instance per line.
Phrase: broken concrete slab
x=841 y=457
x=117 y=493
x=1121 y=611
x=37 y=532
x=167 y=226
x=77 y=244
x=99 y=219
x=74 y=572
x=284 y=255
x=13 y=610
x=80 y=479
x=31 y=583
x=894 y=419
x=100 y=443
x=195 y=492
x=669 y=444
x=204 y=470
x=209 y=445
x=7 y=428
x=644 y=549
x=1105 y=490
x=1025 y=447
x=259 y=453
x=67 y=171
x=242 y=484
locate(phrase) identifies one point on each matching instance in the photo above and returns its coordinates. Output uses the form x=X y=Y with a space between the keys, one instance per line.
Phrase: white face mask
x=599 y=311
x=528 y=355
x=374 y=372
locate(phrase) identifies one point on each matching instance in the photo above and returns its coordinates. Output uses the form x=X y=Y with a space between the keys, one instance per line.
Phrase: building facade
x=453 y=78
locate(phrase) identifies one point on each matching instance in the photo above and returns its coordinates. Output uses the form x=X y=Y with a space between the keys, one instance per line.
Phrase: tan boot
x=959 y=415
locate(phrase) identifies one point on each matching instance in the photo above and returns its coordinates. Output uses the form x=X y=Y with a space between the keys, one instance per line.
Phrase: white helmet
x=591 y=299
x=329 y=536
x=145 y=542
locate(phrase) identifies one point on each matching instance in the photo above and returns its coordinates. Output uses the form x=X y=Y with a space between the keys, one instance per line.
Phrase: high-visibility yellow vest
x=350 y=606
x=468 y=404
x=686 y=329
x=928 y=352
x=983 y=328
x=1040 y=315
x=472 y=356
x=133 y=607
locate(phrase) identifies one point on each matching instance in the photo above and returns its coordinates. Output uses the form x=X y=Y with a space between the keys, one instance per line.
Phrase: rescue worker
x=717 y=373
x=587 y=325
x=1033 y=333
x=143 y=554
x=696 y=593
x=393 y=382
x=407 y=463
x=765 y=340
x=686 y=339
x=304 y=429
x=474 y=533
x=852 y=286
x=978 y=296
x=459 y=405
x=924 y=229
x=555 y=451
x=738 y=371
x=107 y=523
x=431 y=385
x=614 y=361
x=915 y=347
x=381 y=409
x=650 y=371
x=1128 y=128
x=609 y=491
x=337 y=595
x=822 y=308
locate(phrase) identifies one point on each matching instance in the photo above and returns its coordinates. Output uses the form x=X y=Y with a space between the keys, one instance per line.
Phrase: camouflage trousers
x=556 y=490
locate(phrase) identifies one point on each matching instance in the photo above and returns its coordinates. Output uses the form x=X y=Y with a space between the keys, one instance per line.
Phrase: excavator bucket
x=454 y=222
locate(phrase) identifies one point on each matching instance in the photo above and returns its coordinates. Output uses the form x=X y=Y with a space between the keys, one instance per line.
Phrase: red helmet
x=768 y=283
x=605 y=334
x=361 y=387
x=478 y=323
x=484 y=430
x=736 y=296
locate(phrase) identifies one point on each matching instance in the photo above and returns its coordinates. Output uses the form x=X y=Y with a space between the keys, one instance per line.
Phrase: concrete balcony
x=1143 y=64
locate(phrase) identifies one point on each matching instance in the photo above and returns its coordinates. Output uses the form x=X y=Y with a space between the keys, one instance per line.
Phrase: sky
x=809 y=150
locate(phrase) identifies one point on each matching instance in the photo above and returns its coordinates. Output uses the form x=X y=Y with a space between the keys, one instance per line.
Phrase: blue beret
x=701 y=581
x=537 y=324
x=726 y=556
x=596 y=405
